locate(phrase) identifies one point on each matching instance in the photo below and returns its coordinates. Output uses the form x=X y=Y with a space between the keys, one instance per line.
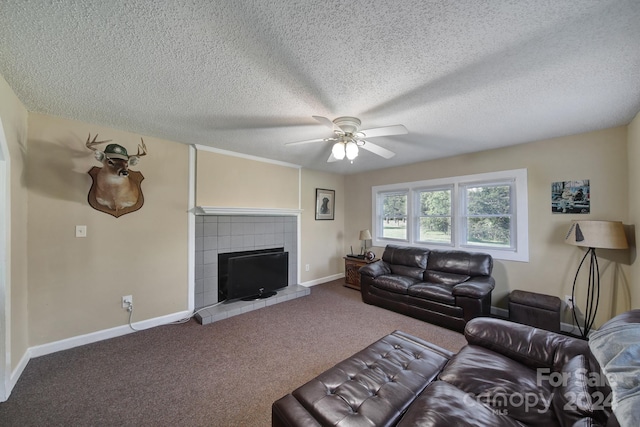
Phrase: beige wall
x=76 y=284
x=230 y=181
x=14 y=121
x=234 y=182
x=599 y=156
x=633 y=147
x=322 y=240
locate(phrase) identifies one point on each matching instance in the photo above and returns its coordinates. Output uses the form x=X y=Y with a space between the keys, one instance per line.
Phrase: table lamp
x=364 y=236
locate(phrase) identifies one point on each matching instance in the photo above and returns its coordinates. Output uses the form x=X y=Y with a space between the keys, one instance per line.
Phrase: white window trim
x=521 y=216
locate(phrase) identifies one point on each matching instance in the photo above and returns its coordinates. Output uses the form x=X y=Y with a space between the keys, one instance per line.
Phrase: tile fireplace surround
x=216 y=234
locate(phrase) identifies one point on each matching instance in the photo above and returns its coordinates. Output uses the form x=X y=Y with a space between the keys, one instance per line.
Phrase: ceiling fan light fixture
x=351 y=150
x=338 y=150
x=349 y=138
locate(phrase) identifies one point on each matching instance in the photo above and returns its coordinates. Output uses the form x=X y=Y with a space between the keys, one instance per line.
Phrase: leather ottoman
x=538 y=310
x=373 y=387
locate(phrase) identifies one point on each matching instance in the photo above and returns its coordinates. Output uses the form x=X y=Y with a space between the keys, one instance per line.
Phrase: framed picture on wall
x=325 y=203
x=571 y=197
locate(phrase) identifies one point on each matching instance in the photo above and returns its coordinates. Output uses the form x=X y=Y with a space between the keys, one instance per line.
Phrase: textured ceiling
x=247 y=76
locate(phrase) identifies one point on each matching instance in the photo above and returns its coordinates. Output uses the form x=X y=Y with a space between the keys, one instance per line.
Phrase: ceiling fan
x=349 y=138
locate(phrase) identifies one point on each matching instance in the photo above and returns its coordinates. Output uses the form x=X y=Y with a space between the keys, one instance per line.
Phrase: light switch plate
x=81 y=231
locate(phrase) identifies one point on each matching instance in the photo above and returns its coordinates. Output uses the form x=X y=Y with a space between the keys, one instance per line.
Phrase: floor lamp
x=593 y=235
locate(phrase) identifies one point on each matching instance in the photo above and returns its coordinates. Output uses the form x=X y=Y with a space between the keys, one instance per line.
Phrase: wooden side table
x=351 y=267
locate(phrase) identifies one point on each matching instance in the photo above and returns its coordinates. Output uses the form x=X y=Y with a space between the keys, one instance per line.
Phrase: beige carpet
x=224 y=374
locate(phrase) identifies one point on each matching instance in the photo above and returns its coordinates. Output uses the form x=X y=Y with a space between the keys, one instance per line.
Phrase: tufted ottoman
x=373 y=387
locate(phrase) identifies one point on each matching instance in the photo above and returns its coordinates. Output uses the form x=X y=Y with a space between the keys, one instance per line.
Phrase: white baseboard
x=17 y=372
x=68 y=343
x=65 y=344
x=323 y=280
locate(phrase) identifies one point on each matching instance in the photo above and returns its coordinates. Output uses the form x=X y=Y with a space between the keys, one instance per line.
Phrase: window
x=434 y=216
x=484 y=212
x=487 y=218
x=393 y=218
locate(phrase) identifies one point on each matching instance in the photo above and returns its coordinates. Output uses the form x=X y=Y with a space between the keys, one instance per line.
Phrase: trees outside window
x=434 y=216
x=394 y=215
x=488 y=215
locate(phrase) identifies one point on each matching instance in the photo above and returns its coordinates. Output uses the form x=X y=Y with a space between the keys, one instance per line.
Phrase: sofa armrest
x=528 y=345
x=476 y=287
x=375 y=269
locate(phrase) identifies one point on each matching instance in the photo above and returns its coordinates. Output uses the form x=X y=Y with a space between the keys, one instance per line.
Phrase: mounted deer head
x=115 y=190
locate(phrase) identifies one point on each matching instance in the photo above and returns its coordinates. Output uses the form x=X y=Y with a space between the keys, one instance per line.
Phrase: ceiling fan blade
x=331 y=159
x=309 y=141
x=328 y=123
x=383 y=131
x=376 y=149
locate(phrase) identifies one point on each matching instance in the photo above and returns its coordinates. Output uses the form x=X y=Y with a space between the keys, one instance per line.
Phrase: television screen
x=223 y=267
x=257 y=276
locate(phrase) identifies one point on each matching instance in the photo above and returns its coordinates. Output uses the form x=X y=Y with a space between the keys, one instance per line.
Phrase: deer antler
x=90 y=144
x=144 y=149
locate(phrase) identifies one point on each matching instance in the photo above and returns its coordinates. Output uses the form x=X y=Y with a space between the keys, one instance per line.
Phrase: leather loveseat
x=444 y=287
x=508 y=374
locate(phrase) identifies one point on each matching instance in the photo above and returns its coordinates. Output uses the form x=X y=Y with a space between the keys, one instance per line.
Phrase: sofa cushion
x=404 y=270
x=460 y=262
x=577 y=395
x=502 y=384
x=433 y=291
x=404 y=255
x=443 y=405
x=442 y=277
x=394 y=283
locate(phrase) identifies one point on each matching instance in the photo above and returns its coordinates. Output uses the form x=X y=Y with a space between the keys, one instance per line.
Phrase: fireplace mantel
x=217 y=210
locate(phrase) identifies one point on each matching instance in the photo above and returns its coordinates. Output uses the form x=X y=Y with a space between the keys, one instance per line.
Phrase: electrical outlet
x=127 y=301
x=568 y=301
x=306 y=267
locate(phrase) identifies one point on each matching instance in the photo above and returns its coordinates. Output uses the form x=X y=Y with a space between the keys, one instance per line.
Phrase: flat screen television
x=256 y=275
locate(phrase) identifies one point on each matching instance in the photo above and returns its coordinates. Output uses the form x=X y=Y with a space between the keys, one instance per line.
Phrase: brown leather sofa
x=444 y=287
x=508 y=374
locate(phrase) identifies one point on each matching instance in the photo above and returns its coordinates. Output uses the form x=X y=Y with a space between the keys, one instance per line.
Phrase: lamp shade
x=338 y=150
x=365 y=235
x=351 y=149
x=597 y=234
